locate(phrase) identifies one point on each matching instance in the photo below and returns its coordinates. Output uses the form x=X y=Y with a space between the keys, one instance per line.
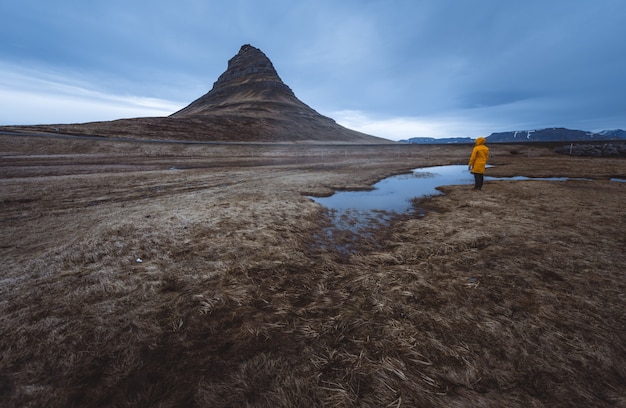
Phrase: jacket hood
x=480 y=141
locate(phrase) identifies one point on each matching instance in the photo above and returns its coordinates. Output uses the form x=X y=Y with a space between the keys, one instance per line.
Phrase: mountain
x=251 y=98
x=248 y=103
x=553 y=135
x=251 y=87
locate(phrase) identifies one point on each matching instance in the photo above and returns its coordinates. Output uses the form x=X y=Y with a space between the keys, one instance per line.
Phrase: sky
x=391 y=68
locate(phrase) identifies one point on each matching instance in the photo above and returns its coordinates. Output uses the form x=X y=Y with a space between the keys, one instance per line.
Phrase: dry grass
x=512 y=296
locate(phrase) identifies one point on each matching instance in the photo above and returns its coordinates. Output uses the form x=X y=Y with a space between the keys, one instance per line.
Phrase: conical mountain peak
x=249 y=80
x=249 y=102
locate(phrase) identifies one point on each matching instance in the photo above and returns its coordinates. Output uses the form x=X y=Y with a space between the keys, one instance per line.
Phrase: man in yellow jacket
x=478 y=162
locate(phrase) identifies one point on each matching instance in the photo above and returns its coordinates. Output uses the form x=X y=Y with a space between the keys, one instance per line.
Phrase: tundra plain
x=145 y=274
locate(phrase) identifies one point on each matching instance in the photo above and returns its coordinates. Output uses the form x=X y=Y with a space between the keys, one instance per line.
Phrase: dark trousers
x=478 y=180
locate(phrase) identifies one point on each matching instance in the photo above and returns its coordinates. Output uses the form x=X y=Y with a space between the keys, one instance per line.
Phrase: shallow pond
x=395 y=193
x=358 y=210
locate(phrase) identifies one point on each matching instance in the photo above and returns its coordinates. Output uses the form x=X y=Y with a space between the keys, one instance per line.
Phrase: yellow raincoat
x=480 y=154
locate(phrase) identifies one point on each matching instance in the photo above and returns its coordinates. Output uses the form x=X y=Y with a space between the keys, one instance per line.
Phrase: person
x=478 y=162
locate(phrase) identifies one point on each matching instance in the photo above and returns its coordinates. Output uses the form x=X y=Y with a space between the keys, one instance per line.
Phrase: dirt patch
x=194 y=276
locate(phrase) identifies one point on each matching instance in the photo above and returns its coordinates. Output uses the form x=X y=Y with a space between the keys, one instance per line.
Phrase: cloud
x=398 y=128
x=434 y=68
x=39 y=97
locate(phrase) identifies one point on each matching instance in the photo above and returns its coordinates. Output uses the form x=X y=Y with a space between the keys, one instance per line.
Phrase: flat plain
x=166 y=274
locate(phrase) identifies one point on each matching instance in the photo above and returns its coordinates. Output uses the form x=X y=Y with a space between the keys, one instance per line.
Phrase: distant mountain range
x=523 y=136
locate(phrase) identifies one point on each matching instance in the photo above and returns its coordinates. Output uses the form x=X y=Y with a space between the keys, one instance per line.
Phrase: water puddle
x=394 y=194
x=355 y=214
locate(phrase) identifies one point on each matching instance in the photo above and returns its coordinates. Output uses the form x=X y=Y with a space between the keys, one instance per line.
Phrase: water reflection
x=355 y=214
x=395 y=193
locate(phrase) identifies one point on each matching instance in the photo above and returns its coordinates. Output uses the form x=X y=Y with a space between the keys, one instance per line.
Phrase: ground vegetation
x=170 y=275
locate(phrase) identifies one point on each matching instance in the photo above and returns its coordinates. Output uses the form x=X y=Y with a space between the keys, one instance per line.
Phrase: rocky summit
x=250 y=86
x=248 y=103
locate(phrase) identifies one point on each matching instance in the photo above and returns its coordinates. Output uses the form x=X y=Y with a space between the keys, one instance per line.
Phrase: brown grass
x=512 y=296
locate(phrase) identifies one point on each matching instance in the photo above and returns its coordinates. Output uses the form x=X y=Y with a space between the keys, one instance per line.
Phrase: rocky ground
x=142 y=274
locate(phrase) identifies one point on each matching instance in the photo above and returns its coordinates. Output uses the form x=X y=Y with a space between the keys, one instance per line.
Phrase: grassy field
x=173 y=275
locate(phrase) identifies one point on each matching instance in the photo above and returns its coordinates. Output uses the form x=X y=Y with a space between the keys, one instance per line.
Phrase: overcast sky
x=390 y=68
